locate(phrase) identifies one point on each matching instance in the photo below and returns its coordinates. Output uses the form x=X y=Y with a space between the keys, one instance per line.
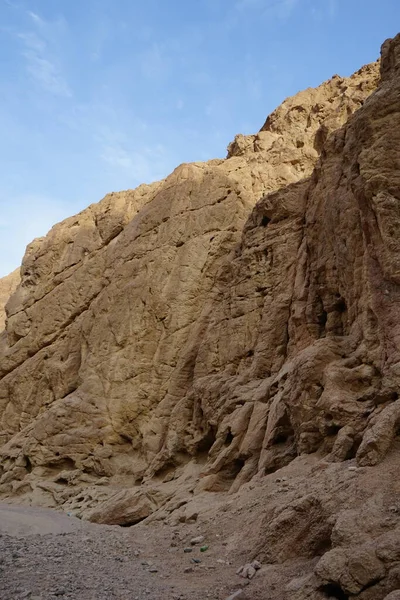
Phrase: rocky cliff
x=192 y=337
x=8 y=285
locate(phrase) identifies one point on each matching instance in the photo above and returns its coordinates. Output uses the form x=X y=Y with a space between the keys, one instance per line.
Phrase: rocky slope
x=187 y=339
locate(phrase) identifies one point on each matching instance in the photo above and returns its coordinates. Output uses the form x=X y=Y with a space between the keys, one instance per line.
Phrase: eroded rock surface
x=8 y=285
x=188 y=338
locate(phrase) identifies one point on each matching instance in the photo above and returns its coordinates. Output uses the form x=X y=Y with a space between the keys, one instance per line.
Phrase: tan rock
x=395 y=595
x=126 y=507
x=149 y=328
x=8 y=285
x=188 y=336
x=351 y=572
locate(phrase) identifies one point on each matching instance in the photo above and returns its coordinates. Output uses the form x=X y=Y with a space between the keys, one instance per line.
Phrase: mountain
x=229 y=332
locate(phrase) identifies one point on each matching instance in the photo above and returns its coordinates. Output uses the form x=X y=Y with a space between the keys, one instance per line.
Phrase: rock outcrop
x=189 y=337
x=8 y=285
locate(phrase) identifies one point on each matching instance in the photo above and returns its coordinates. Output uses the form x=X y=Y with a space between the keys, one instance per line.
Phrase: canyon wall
x=226 y=342
x=150 y=330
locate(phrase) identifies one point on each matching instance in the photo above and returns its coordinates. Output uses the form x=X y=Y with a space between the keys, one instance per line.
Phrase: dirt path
x=45 y=555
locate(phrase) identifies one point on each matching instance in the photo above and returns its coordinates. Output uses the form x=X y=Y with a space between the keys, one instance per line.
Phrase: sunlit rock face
x=213 y=326
x=8 y=285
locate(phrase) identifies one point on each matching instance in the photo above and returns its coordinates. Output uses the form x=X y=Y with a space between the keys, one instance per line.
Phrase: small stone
x=352 y=468
x=247 y=571
x=188 y=570
x=393 y=509
x=256 y=564
x=197 y=540
x=196 y=561
x=188 y=550
x=251 y=572
x=153 y=570
x=236 y=595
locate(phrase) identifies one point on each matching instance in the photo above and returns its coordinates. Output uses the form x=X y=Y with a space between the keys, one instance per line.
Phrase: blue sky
x=102 y=95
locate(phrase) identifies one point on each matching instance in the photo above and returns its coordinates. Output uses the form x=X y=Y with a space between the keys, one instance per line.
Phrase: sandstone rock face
x=189 y=337
x=8 y=285
x=124 y=312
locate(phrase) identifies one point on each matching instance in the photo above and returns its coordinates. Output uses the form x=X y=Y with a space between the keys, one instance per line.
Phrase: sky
x=102 y=95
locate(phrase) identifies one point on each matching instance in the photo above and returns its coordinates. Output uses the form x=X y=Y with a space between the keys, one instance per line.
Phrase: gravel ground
x=45 y=555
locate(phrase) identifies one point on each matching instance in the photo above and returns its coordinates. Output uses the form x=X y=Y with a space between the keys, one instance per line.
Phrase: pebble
x=236 y=595
x=249 y=570
x=188 y=550
x=188 y=570
x=197 y=540
x=196 y=561
x=153 y=570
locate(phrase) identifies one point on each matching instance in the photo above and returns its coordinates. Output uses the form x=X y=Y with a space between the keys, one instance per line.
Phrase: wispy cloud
x=321 y=11
x=36 y=18
x=144 y=166
x=122 y=142
x=277 y=8
x=41 y=62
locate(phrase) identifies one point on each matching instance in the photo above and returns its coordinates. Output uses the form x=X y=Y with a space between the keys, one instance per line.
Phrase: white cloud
x=117 y=157
x=121 y=141
x=144 y=166
x=46 y=74
x=41 y=62
x=36 y=18
x=32 y=42
x=277 y=8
